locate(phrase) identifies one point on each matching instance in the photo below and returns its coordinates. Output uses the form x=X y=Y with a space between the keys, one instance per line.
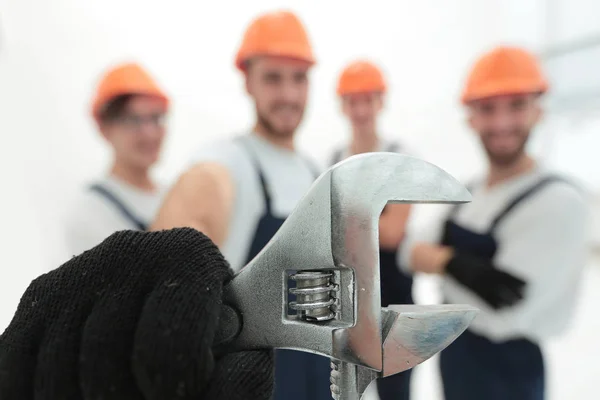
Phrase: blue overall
x=396 y=288
x=473 y=367
x=298 y=375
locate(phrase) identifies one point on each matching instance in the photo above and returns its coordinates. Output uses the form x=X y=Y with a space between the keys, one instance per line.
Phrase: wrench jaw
x=419 y=332
x=361 y=186
x=411 y=334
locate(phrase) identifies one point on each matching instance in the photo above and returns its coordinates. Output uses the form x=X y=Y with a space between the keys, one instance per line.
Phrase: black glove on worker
x=133 y=318
x=497 y=288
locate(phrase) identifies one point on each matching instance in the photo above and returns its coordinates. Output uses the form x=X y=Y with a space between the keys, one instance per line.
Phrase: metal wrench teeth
x=335 y=380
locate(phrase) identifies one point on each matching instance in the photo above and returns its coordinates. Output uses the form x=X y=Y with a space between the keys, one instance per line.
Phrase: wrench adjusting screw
x=315 y=295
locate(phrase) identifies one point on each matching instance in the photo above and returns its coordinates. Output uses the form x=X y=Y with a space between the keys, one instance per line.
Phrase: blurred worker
x=516 y=251
x=239 y=192
x=362 y=88
x=129 y=109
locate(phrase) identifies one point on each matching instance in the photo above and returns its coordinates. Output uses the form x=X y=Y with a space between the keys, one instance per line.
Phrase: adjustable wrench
x=315 y=286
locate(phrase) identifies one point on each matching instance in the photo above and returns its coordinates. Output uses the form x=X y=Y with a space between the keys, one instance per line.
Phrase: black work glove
x=133 y=318
x=497 y=288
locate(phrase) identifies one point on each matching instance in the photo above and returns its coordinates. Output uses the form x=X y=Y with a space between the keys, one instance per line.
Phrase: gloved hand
x=133 y=318
x=497 y=288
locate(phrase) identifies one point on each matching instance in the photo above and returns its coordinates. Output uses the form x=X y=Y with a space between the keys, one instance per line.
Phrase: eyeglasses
x=137 y=121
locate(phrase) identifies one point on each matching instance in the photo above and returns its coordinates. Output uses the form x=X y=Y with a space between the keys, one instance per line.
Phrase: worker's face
x=362 y=110
x=137 y=135
x=279 y=87
x=504 y=124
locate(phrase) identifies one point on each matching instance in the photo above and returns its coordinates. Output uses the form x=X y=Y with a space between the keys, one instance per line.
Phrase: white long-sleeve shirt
x=91 y=218
x=543 y=240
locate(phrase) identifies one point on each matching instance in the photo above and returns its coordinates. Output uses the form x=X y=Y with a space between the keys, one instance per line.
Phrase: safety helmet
x=127 y=78
x=360 y=77
x=277 y=33
x=504 y=70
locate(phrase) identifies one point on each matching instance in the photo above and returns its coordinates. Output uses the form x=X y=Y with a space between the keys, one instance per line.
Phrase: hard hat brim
x=493 y=89
x=242 y=61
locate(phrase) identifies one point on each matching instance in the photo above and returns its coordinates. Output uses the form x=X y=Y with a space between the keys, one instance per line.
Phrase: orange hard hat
x=360 y=77
x=277 y=33
x=504 y=70
x=128 y=78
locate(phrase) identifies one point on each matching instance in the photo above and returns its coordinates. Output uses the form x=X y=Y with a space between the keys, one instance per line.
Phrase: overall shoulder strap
x=259 y=171
x=108 y=195
x=524 y=195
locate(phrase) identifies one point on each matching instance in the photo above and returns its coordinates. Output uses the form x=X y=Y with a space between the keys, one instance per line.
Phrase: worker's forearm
x=390 y=235
x=392 y=225
x=215 y=234
x=430 y=258
x=201 y=199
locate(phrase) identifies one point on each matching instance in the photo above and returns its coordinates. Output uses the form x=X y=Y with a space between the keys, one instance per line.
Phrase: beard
x=501 y=158
x=270 y=128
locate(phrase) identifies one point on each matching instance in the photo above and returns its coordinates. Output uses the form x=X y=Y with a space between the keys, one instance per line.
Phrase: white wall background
x=52 y=53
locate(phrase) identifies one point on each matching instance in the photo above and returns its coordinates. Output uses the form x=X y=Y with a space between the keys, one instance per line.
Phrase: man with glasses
x=129 y=109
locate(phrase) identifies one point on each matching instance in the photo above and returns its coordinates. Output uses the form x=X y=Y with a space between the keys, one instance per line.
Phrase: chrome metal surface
x=334 y=230
x=349 y=381
x=411 y=335
x=315 y=293
x=418 y=332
